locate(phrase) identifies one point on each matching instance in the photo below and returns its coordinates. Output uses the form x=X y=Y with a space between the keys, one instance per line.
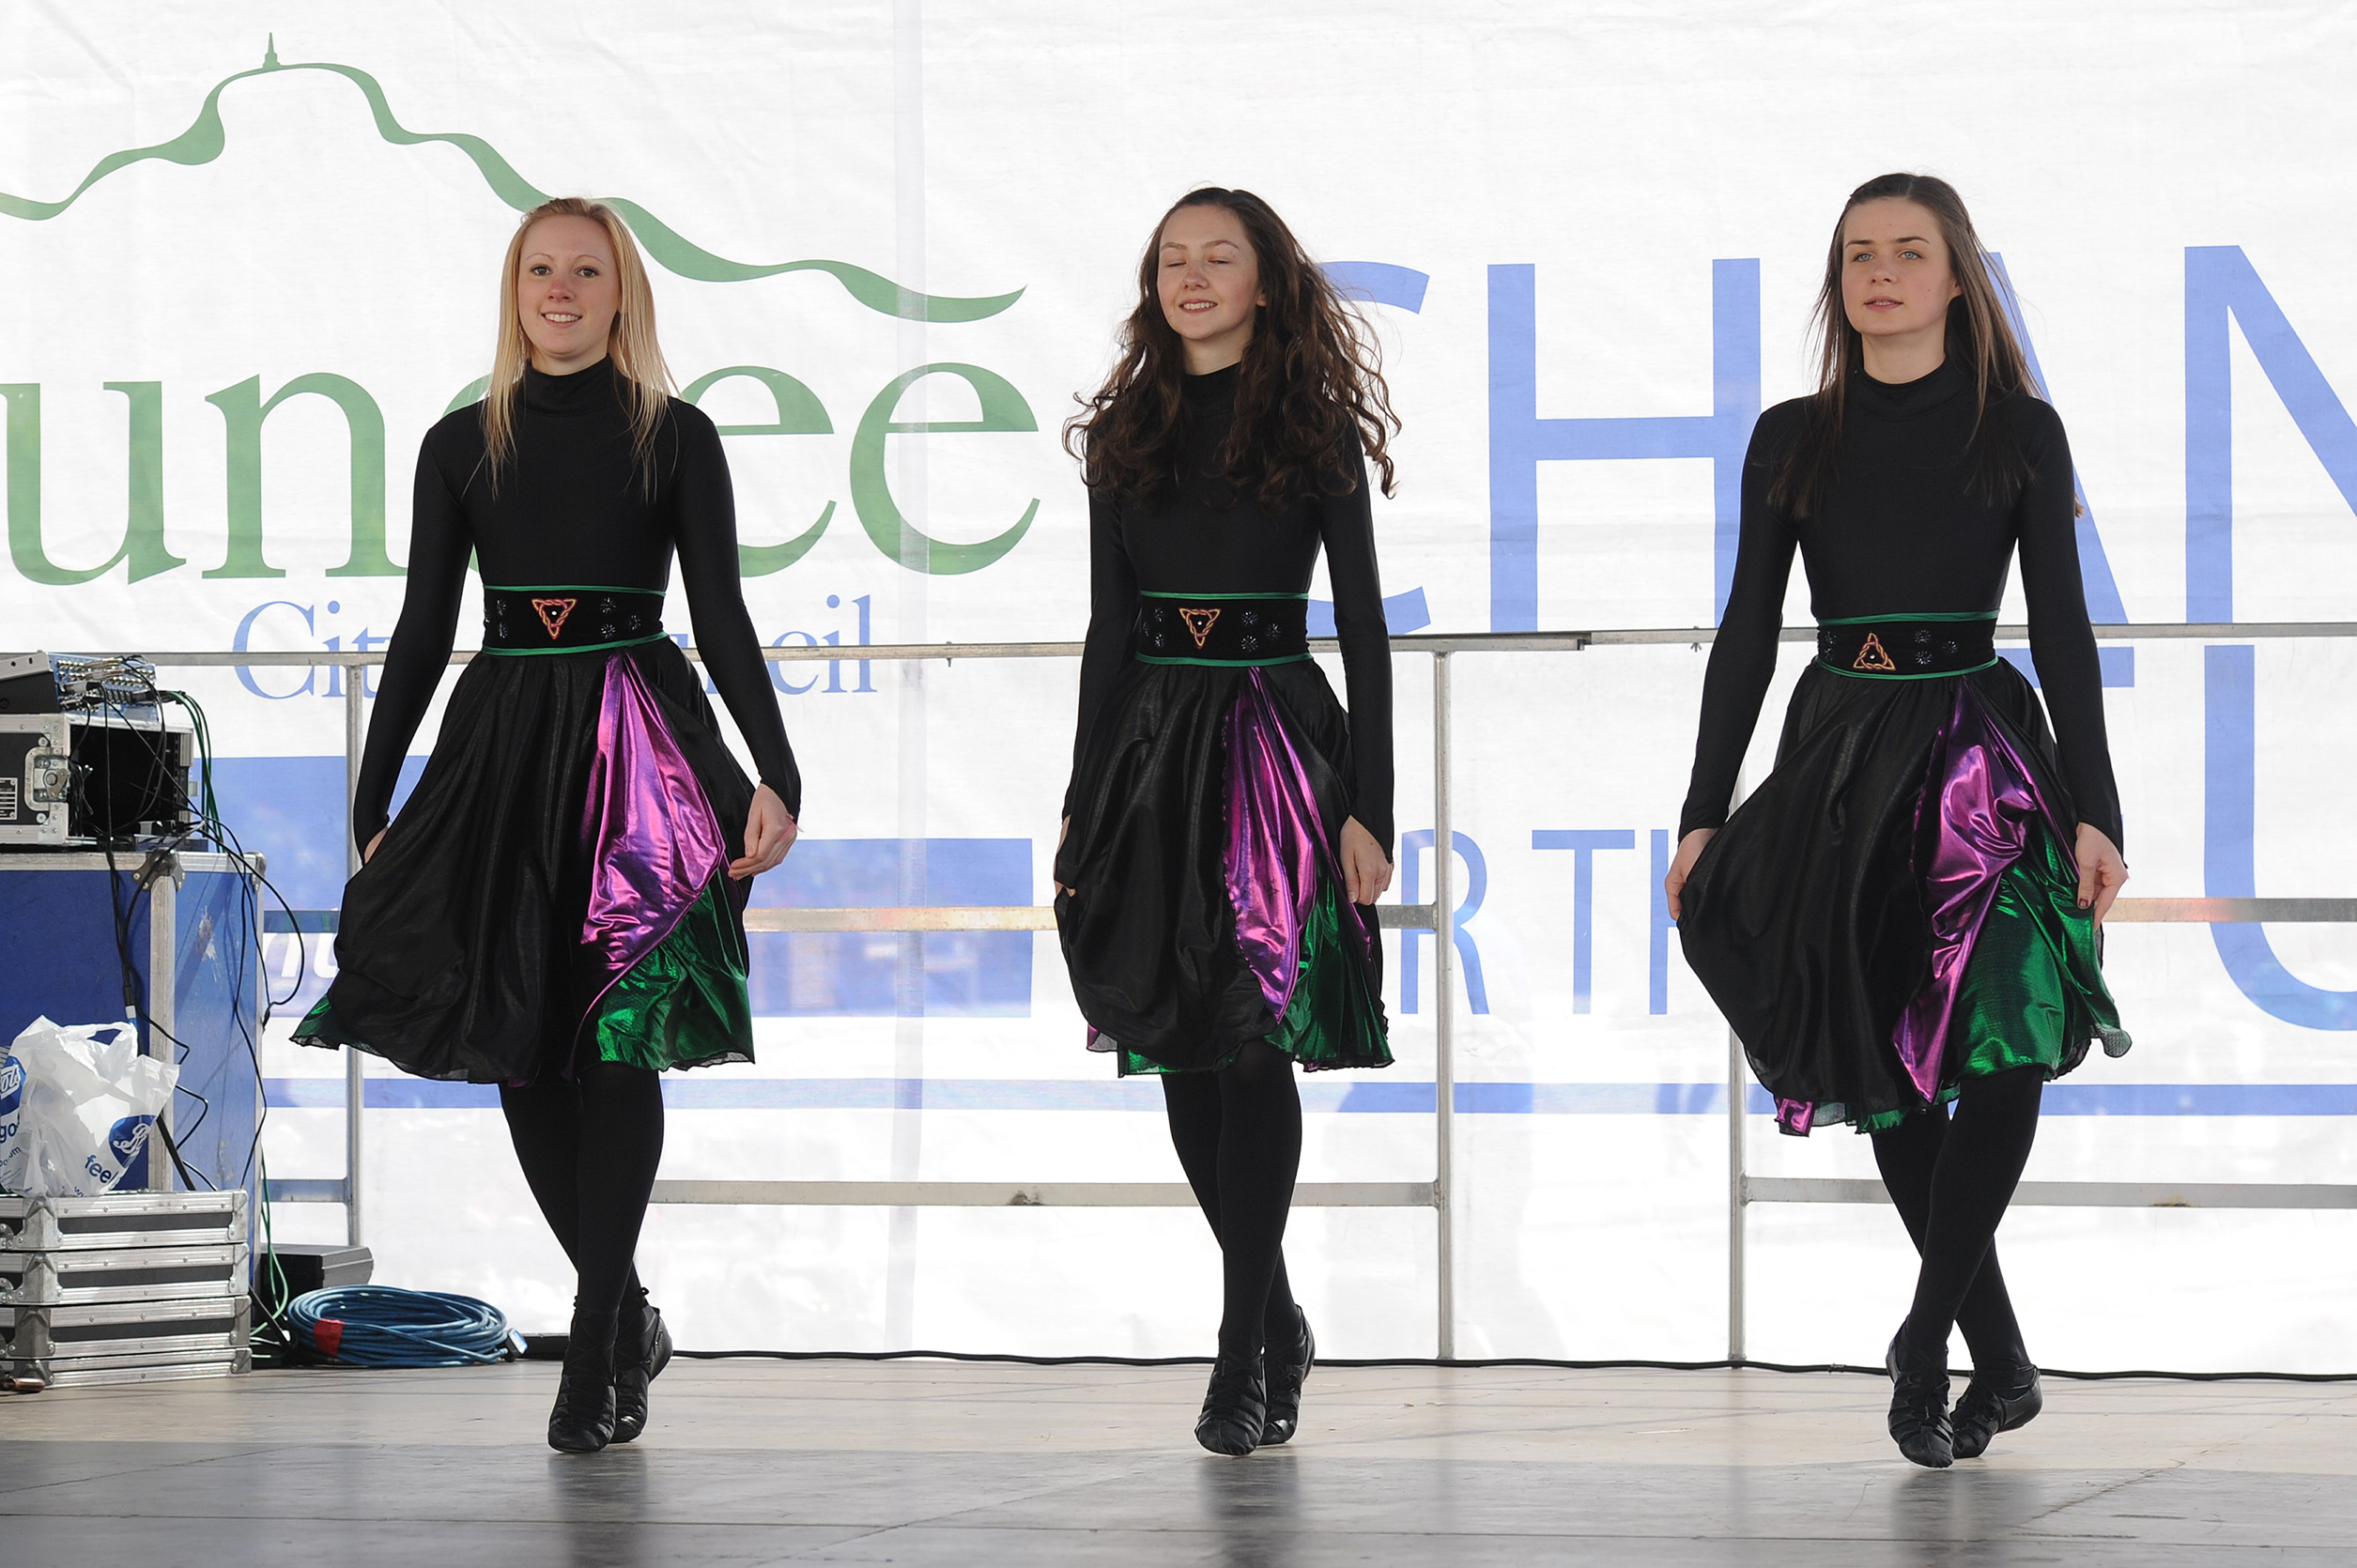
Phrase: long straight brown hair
x=1311 y=386
x=645 y=380
x=1979 y=337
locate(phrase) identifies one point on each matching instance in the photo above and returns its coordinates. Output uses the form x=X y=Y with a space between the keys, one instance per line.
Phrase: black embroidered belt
x=571 y=619
x=1908 y=647
x=1222 y=628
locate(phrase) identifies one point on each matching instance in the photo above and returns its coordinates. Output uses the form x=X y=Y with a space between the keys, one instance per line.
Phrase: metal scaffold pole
x=1443 y=1011
x=1736 y=1084
x=353 y=726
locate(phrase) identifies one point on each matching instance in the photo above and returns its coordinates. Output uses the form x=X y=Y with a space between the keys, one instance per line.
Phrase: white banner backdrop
x=247 y=269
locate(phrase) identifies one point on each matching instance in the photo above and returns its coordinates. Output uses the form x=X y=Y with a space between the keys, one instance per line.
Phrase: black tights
x=589 y=1149
x=1239 y=1134
x=1951 y=1181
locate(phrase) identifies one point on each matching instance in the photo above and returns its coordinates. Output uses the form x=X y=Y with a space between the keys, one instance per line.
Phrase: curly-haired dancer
x=1906 y=911
x=1228 y=827
x=558 y=910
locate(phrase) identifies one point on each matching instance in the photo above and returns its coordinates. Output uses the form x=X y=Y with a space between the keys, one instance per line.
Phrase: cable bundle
x=374 y=1325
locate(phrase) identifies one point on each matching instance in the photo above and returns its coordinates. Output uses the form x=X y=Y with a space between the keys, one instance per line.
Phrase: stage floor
x=921 y=1462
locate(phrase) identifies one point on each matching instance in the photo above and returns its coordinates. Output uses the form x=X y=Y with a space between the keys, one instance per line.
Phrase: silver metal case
x=100 y=1278
x=35 y=778
x=118 y=1220
x=124 y=1287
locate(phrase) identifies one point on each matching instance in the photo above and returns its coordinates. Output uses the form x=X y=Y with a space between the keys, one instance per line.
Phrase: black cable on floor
x=1495 y=1362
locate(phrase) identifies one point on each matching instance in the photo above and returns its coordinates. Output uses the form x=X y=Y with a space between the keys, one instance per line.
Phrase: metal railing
x=1436 y=915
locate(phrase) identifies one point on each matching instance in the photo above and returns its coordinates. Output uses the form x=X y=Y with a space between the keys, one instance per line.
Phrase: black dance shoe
x=1919 y=1414
x=1235 y=1407
x=583 y=1419
x=634 y=1370
x=1285 y=1388
x=1995 y=1403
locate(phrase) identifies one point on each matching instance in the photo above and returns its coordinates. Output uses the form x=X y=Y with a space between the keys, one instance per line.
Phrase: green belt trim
x=1225 y=664
x=568 y=588
x=1934 y=675
x=1150 y=594
x=1929 y=615
x=586 y=648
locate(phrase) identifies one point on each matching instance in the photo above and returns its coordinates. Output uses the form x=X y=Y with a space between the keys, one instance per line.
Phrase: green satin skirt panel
x=1333 y=1019
x=2034 y=992
x=684 y=1005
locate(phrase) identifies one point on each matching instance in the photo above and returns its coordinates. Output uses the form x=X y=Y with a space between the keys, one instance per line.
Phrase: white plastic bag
x=88 y=1103
x=15 y=1153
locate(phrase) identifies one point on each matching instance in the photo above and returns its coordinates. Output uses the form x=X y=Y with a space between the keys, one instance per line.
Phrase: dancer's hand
x=1682 y=867
x=1366 y=870
x=770 y=831
x=370 y=852
x=1061 y=834
x=2101 y=872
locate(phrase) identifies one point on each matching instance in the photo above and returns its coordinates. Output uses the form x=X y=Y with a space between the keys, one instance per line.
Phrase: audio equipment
x=71 y=780
x=77 y=683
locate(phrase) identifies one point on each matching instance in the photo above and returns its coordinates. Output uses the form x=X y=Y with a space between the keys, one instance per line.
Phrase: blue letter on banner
x=1584 y=843
x=2230 y=869
x=2221 y=282
x=1659 y=927
x=1519 y=441
x=1412 y=848
x=2102 y=590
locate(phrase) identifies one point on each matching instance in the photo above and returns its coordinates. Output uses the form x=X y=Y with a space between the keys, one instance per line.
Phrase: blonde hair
x=646 y=380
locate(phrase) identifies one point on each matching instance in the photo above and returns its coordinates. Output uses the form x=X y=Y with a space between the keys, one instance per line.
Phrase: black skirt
x=461 y=950
x=1810 y=920
x=1150 y=932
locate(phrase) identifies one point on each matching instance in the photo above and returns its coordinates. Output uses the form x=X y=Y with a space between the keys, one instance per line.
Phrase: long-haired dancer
x=1228 y=826
x=558 y=909
x=1905 y=912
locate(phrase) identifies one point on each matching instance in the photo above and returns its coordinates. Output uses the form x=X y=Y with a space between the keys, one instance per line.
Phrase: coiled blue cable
x=374 y=1325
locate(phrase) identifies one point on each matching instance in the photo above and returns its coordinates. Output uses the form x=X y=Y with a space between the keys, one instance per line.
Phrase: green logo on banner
x=244 y=408
x=204 y=140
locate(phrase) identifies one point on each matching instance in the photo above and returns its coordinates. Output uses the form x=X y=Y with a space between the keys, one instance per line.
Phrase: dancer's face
x=1209 y=285
x=1896 y=277
x=567 y=293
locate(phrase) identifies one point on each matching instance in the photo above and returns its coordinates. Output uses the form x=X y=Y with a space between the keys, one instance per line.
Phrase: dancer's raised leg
x=1981 y=1161
x=543 y=1122
x=1907 y=1155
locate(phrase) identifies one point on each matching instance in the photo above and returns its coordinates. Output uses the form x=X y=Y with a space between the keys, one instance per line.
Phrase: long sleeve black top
x=571 y=508
x=1205 y=540
x=1903 y=531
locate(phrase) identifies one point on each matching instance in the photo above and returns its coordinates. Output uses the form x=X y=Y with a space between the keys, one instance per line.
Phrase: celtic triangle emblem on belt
x=552 y=613
x=1872 y=658
x=1199 y=624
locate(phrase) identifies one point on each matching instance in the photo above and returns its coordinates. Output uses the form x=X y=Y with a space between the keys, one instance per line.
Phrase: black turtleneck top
x=1205 y=540
x=571 y=508
x=1903 y=530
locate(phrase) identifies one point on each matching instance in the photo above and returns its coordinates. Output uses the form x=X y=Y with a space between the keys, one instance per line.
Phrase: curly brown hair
x=1311 y=390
